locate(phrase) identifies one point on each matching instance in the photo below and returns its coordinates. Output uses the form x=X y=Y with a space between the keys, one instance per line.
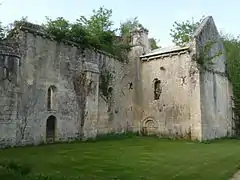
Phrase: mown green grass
x=131 y=159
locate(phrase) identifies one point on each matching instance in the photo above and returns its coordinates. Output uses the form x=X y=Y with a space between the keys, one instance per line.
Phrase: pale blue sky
x=156 y=15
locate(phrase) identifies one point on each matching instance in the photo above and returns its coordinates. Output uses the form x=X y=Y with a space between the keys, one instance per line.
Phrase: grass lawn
x=132 y=159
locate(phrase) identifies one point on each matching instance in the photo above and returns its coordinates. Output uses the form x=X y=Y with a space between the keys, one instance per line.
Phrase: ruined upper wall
x=8 y=49
x=207 y=35
x=36 y=29
x=215 y=88
x=47 y=62
x=140 y=39
x=9 y=64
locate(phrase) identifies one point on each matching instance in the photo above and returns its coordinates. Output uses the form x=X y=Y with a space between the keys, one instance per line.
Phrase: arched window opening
x=157 y=89
x=51 y=100
x=110 y=90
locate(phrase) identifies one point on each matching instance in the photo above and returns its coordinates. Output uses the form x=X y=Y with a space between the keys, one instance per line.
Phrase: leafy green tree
x=153 y=43
x=100 y=27
x=127 y=27
x=1 y=29
x=99 y=22
x=95 y=31
x=2 y=34
x=60 y=27
x=183 y=31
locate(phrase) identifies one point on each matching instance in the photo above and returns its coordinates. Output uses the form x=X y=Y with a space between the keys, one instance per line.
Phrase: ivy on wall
x=182 y=33
x=232 y=47
x=106 y=78
x=205 y=58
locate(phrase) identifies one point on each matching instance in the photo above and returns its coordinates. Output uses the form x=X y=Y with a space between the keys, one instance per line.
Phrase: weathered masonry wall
x=215 y=88
x=133 y=69
x=8 y=103
x=9 y=90
x=71 y=81
x=215 y=106
x=114 y=109
x=58 y=91
x=171 y=96
x=48 y=65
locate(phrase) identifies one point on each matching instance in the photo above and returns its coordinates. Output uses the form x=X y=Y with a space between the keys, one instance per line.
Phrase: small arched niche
x=110 y=90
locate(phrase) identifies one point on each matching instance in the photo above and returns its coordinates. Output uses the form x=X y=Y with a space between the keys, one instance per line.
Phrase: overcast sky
x=156 y=15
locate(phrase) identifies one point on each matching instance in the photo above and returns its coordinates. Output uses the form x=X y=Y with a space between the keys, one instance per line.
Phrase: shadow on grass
x=10 y=170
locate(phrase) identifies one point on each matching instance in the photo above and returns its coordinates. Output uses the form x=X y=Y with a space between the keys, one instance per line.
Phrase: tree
x=100 y=28
x=183 y=31
x=232 y=47
x=99 y=22
x=2 y=34
x=59 y=27
x=153 y=43
x=127 y=27
x=96 y=31
x=1 y=30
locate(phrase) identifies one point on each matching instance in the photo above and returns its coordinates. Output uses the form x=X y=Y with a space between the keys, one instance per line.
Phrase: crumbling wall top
x=9 y=49
x=41 y=31
x=139 y=31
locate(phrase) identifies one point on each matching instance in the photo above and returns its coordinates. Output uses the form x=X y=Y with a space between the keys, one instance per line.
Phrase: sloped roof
x=172 y=49
x=165 y=50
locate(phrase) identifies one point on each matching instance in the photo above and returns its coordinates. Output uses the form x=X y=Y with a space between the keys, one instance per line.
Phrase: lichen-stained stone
x=56 y=91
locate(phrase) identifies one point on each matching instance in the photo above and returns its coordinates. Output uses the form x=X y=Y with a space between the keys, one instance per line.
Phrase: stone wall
x=175 y=112
x=59 y=91
x=9 y=91
x=114 y=109
x=216 y=106
x=73 y=76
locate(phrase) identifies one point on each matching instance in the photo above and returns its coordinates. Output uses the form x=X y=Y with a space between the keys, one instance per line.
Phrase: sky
x=157 y=16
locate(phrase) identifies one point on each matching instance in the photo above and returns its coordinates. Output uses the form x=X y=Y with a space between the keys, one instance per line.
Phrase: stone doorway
x=149 y=127
x=51 y=128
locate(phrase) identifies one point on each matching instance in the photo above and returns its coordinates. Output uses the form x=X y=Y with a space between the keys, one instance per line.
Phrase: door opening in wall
x=50 y=128
x=149 y=127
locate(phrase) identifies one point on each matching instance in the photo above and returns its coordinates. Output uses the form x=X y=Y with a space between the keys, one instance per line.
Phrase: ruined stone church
x=57 y=91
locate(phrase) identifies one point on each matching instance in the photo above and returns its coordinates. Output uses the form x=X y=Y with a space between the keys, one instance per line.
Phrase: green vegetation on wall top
x=97 y=32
